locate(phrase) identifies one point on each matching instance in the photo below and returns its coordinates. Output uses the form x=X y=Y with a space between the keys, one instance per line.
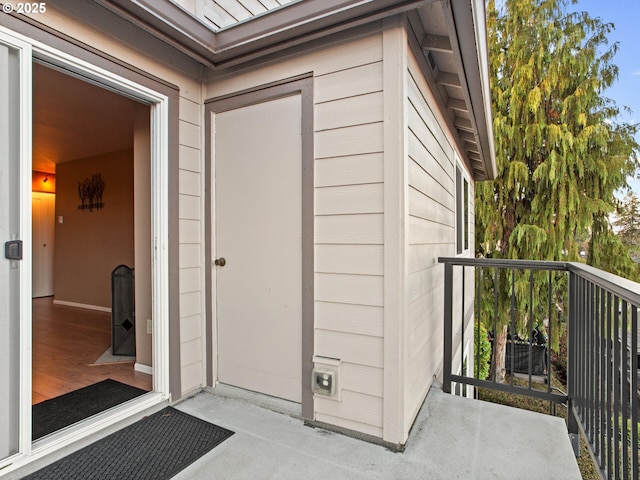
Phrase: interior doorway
x=94 y=146
x=43 y=213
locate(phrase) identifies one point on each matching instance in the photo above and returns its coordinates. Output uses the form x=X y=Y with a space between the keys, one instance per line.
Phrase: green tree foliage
x=483 y=356
x=628 y=220
x=560 y=153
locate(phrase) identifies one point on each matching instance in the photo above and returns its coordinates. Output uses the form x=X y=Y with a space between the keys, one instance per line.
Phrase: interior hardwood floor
x=66 y=341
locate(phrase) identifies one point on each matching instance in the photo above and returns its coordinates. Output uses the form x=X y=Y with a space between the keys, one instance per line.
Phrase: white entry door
x=15 y=239
x=258 y=232
x=43 y=212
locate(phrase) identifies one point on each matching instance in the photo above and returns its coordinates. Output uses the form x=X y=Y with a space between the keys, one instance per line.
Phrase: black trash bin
x=123 y=325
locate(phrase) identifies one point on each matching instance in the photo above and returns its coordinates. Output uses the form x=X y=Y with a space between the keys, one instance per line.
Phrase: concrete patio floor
x=452 y=438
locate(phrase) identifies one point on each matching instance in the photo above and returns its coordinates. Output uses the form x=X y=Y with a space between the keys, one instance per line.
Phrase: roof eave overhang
x=301 y=22
x=468 y=34
x=279 y=29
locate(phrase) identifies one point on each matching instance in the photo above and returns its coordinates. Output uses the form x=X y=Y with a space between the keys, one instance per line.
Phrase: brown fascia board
x=465 y=32
x=292 y=24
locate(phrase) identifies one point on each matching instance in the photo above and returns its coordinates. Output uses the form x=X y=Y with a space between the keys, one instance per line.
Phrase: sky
x=625 y=15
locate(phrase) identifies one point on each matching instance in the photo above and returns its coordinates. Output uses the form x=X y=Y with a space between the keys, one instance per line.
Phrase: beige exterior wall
x=431 y=162
x=352 y=135
x=164 y=63
x=348 y=143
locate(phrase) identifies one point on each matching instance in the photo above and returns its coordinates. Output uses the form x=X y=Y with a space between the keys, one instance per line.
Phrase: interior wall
x=89 y=245
x=142 y=233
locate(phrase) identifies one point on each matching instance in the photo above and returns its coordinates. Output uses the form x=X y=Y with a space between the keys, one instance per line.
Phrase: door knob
x=221 y=262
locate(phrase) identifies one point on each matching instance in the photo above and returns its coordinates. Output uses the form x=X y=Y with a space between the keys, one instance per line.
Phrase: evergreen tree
x=628 y=220
x=560 y=153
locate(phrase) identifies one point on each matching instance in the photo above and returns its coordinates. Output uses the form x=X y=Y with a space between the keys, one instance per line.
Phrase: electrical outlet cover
x=324 y=382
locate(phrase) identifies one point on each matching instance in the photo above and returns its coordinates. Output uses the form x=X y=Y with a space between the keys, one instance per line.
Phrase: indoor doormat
x=54 y=414
x=108 y=358
x=154 y=448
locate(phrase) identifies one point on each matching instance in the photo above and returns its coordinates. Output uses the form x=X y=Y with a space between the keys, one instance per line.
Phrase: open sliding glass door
x=15 y=256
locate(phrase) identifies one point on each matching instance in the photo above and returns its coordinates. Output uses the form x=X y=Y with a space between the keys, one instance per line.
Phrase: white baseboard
x=141 y=367
x=82 y=305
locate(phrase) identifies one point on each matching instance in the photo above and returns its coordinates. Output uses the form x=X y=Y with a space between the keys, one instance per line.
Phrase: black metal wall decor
x=90 y=192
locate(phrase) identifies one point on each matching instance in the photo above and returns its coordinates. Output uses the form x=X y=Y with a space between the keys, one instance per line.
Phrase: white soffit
x=221 y=14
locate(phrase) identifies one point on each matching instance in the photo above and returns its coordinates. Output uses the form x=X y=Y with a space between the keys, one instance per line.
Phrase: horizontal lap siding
x=349 y=237
x=349 y=234
x=431 y=233
x=191 y=214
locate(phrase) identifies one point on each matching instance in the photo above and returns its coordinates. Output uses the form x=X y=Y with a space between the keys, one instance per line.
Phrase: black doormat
x=54 y=414
x=154 y=448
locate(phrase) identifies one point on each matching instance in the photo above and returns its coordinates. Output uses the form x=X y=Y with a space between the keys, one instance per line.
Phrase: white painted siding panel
x=362 y=379
x=191 y=376
x=190 y=280
x=354 y=406
x=351 y=229
x=357 y=349
x=349 y=424
x=420 y=154
x=423 y=256
x=190 y=111
x=426 y=231
x=421 y=99
x=190 y=304
x=426 y=208
x=431 y=233
x=189 y=231
x=352 y=289
x=356 y=259
x=190 y=159
x=349 y=170
x=189 y=135
x=348 y=83
x=191 y=328
x=348 y=112
x=349 y=141
x=349 y=199
x=349 y=318
x=191 y=352
x=189 y=183
x=190 y=256
x=421 y=181
x=190 y=207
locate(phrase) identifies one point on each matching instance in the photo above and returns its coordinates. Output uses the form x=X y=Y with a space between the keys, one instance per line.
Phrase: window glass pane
x=465 y=220
x=459 y=213
x=9 y=269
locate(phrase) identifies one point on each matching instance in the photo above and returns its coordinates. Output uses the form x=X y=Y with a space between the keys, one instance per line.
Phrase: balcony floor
x=452 y=438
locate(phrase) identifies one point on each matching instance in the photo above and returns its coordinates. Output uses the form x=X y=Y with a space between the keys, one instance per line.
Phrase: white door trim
x=159 y=106
x=25 y=233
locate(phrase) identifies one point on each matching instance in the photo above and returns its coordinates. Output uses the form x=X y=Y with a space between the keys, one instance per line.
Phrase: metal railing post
x=448 y=326
x=572 y=421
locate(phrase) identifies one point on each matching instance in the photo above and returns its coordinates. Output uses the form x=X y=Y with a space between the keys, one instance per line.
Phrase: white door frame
x=159 y=106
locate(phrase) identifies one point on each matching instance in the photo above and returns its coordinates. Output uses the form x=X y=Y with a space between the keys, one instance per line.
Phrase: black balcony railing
x=525 y=307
